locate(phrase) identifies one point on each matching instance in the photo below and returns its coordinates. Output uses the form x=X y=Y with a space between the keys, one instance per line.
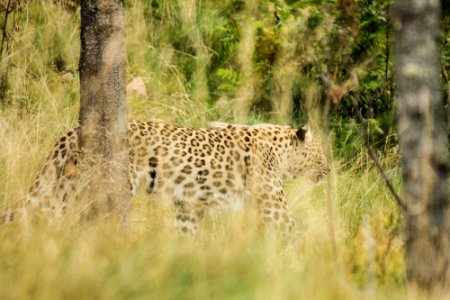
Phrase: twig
x=448 y=106
x=5 y=23
x=387 y=51
x=374 y=157
x=330 y=205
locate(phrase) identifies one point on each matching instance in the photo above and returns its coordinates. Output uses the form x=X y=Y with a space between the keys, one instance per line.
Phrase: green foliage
x=347 y=136
x=339 y=37
x=446 y=44
x=229 y=80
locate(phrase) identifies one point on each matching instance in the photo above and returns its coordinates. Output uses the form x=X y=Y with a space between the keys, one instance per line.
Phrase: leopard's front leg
x=272 y=209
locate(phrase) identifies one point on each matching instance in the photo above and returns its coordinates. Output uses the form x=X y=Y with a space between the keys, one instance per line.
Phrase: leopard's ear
x=304 y=134
x=301 y=134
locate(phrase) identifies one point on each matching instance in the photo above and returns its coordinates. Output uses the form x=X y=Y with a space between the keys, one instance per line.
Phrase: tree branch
x=374 y=157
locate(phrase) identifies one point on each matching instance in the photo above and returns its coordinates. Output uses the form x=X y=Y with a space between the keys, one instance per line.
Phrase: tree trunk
x=103 y=109
x=424 y=142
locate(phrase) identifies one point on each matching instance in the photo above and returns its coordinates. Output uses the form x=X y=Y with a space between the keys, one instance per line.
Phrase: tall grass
x=230 y=258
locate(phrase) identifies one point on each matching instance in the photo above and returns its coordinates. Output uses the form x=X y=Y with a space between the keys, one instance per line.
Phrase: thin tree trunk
x=103 y=110
x=424 y=141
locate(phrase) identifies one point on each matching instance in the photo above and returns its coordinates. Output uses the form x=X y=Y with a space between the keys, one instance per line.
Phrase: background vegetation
x=246 y=61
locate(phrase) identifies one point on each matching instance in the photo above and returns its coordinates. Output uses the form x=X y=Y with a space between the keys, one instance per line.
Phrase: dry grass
x=230 y=258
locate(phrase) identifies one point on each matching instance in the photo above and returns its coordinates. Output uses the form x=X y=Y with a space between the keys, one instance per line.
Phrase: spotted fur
x=198 y=168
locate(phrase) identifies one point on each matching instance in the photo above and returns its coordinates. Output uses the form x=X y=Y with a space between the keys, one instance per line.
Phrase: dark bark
x=103 y=110
x=424 y=141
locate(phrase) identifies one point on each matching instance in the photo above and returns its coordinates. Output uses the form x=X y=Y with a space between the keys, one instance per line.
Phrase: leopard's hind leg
x=50 y=191
x=188 y=215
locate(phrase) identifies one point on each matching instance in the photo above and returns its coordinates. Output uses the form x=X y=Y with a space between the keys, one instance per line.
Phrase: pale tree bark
x=103 y=109
x=423 y=140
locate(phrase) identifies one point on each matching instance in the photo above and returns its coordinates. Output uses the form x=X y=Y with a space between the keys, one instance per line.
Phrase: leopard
x=197 y=169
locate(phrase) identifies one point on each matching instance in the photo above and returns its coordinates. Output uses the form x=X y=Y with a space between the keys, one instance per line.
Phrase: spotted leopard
x=197 y=168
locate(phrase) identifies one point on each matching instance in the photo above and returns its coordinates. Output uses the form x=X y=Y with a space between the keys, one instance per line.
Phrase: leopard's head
x=306 y=157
